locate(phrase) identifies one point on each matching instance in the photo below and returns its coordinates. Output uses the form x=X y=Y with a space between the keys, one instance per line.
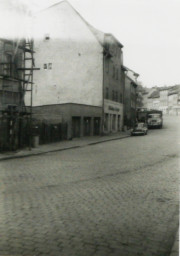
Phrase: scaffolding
x=16 y=75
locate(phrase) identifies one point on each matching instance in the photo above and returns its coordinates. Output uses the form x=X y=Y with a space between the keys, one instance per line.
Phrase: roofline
x=51 y=6
x=88 y=25
x=109 y=34
x=155 y=97
x=128 y=69
x=132 y=81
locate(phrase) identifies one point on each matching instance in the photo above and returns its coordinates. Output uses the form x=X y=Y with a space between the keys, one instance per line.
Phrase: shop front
x=113 y=116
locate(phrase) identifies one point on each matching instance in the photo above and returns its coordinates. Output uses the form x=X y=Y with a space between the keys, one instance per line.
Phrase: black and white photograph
x=89 y=127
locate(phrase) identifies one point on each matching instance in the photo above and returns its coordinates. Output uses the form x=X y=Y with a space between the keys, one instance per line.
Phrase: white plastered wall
x=76 y=56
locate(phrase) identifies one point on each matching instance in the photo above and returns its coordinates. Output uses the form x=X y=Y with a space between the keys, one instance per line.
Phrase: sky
x=148 y=29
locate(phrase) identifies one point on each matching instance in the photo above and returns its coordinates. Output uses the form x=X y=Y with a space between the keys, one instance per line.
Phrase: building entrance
x=87 y=126
x=97 y=126
x=76 y=126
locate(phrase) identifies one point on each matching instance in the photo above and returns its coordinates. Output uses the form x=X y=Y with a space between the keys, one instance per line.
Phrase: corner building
x=70 y=86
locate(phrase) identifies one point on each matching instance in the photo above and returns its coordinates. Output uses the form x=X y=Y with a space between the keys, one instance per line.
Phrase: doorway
x=76 y=126
x=97 y=126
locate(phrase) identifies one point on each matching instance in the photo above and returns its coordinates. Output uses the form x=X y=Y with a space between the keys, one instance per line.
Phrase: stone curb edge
x=175 y=247
x=60 y=149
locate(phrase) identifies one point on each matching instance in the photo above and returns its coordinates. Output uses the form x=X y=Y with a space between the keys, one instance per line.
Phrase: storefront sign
x=113 y=108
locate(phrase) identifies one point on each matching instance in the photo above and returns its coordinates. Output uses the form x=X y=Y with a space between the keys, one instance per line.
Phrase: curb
x=60 y=149
x=175 y=247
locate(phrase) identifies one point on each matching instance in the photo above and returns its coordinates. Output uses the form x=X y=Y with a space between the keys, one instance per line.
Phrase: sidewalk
x=63 y=145
x=175 y=248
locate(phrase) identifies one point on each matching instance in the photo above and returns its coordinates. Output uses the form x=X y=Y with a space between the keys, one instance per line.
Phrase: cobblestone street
x=116 y=198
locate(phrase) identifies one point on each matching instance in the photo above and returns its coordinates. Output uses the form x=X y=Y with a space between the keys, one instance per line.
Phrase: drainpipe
x=102 y=125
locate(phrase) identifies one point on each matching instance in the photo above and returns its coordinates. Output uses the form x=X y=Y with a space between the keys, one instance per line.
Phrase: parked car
x=140 y=129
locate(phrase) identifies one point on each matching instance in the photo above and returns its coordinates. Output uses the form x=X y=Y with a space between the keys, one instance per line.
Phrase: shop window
x=119 y=122
x=114 y=122
x=106 y=122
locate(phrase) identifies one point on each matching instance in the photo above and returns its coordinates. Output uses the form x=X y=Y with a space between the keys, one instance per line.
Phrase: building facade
x=10 y=77
x=165 y=99
x=113 y=85
x=75 y=74
x=130 y=98
x=14 y=117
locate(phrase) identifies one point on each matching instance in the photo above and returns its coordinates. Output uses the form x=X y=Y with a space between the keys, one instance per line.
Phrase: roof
x=132 y=81
x=174 y=90
x=99 y=35
x=128 y=69
x=154 y=94
x=164 y=88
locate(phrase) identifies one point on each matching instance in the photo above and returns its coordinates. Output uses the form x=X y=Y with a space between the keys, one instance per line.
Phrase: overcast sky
x=148 y=29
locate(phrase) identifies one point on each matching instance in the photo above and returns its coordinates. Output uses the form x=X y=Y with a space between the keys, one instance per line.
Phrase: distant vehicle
x=152 y=117
x=155 y=119
x=140 y=129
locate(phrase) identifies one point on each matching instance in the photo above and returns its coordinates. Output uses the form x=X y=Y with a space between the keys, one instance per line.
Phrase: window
x=107 y=93
x=113 y=74
x=112 y=94
x=106 y=122
x=114 y=122
x=107 y=66
x=50 y=66
x=120 y=97
x=117 y=96
x=47 y=37
x=117 y=75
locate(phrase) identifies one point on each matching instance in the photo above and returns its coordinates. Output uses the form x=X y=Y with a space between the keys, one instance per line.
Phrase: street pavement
x=114 y=198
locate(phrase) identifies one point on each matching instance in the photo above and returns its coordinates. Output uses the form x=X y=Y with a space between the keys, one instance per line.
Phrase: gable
x=62 y=21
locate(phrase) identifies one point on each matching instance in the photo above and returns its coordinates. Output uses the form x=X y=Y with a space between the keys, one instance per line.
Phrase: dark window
x=47 y=37
x=117 y=75
x=120 y=97
x=113 y=74
x=107 y=66
x=112 y=94
x=117 y=96
x=45 y=66
x=7 y=67
x=107 y=93
x=49 y=65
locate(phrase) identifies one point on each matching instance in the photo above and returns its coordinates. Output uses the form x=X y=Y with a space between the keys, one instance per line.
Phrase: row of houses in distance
x=166 y=99
x=81 y=86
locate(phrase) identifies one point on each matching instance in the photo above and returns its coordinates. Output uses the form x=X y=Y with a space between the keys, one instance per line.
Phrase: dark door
x=97 y=126
x=119 y=122
x=87 y=126
x=75 y=126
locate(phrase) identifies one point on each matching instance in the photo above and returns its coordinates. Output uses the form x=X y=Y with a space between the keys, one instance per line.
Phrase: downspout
x=136 y=95
x=102 y=125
